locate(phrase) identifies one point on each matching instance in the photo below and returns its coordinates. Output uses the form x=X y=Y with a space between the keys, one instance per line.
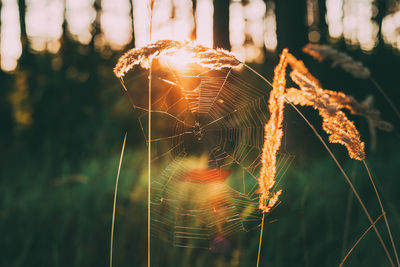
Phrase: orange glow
x=206 y=176
x=340 y=129
x=172 y=20
x=189 y=53
x=179 y=61
x=329 y=104
x=19 y=100
x=273 y=136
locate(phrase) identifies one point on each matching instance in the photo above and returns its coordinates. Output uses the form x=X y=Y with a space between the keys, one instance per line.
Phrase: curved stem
x=256 y=73
x=348 y=181
x=383 y=212
x=337 y=164
x=358 y=241
x=115 y=201
x=348 y=211
x=392 y=105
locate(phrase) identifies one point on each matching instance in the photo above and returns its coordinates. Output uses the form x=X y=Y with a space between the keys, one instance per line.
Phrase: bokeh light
x=10 y=34
x=391 y=28
x=44 y=21
x=204 y=22
x=80 y=15
x=116 y=23
x=252 y=25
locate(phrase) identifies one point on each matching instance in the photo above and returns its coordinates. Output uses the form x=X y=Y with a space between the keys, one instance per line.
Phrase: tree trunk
x=323 y=26
x=22 y=13
x=0 y=26
x=221 y=24
x=132 y=43
x=96 y=23
x=290 y=25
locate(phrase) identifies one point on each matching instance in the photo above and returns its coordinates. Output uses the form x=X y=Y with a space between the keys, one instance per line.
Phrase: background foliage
x=63 y=118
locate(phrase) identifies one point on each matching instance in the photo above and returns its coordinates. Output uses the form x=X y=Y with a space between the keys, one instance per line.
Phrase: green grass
x=65 y=220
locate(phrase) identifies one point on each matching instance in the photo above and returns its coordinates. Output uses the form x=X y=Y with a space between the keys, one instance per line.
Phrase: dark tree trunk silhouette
x=22 y=13
x=382 y=9
x=221 y=24
x=323 y=27
x=290 y=24
x=0 y=24
x=96 y=24
x=132 y=42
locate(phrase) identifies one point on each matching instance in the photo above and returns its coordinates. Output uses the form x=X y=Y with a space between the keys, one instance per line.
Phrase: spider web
x=207 y=136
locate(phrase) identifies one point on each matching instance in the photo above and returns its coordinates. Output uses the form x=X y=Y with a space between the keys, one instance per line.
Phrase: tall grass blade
x=348 y=211
x=348 y=181
x=152 y=3
x=387 y=98
x=338 y=165
x=115 y=201
x=149 y=174
x=261 y=235
x=383 y=212
x=358 y=241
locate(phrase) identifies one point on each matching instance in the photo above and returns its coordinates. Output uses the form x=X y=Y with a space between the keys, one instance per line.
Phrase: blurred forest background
x=63 y=115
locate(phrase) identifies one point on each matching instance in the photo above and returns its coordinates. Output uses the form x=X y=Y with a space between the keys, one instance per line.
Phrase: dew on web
x=207 y=138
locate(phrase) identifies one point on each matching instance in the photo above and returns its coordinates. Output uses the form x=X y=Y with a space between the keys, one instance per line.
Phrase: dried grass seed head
x=323 y=52
x=273 y=137
x=197 y=54
x=340 y=129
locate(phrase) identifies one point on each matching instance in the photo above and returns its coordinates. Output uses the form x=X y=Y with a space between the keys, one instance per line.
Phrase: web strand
x=212 y=121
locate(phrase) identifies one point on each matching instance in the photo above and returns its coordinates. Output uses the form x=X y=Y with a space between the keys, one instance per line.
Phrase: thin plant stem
x=261 y=235
x=152 y=2
x=115 y=201
x=383 y=212
x=348 y=211
x=303 y=229
x=149 y=173
x=337 y=164
x=256 y=73
x=358 y=241
x=392 y=105
x=348 y=181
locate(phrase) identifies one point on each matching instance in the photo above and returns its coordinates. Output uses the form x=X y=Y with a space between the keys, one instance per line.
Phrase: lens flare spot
x=179 y=61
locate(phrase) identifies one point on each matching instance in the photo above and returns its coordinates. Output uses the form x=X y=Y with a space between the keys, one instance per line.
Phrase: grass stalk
x=152 y=2
x=358 y=241
x=383 y=212
x=348 y=211
x=380 y=89
x=348 y=181
x=261 y=235
x=303 y=229
x=115 y=201
x=149 y=174
x=338 y=165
